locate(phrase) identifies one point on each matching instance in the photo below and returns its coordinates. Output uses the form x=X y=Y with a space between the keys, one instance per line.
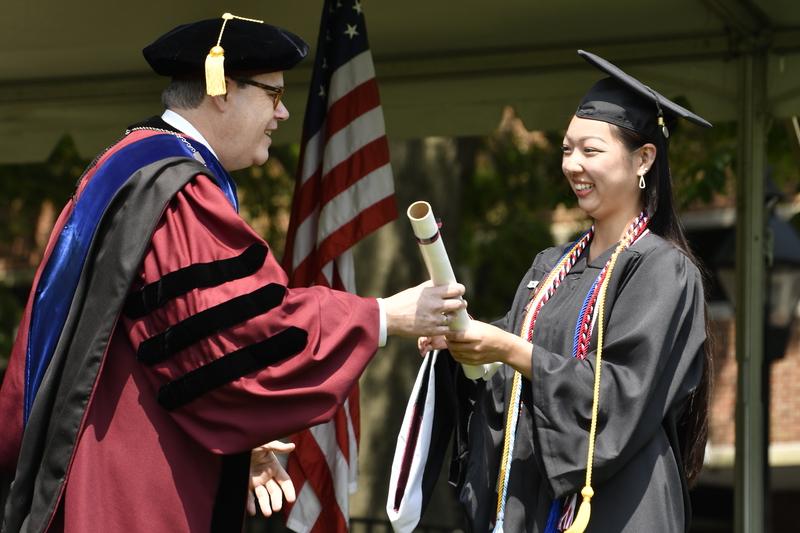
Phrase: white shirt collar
x=184 y=126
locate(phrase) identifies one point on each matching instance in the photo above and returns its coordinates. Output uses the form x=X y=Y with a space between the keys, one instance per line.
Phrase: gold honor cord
x=581 y=520
x=506 y=460
x=215 y=60
x=513 y=408
x=585 y=510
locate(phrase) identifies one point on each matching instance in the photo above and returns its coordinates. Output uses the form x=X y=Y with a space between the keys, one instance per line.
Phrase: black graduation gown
x=652 y=360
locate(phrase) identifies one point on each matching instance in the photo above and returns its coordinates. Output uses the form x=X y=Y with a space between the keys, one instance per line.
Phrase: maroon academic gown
x=144 y=465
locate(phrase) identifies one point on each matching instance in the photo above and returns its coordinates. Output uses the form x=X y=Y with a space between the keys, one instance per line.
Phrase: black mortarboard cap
x=624 y=101
x=249 y=46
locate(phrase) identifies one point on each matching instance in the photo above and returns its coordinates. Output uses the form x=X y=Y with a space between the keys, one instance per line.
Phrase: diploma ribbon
x=434 y=238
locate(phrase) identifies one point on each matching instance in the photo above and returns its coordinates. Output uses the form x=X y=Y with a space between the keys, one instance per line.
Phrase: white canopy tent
x=444 y=68
x=448 y=68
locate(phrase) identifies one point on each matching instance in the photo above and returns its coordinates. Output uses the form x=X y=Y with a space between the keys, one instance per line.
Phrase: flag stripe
x=352 y=74
x=305 y=239
x=353 y=419
x=307 y=507
x=318 y=475
x=352 y=138
x=345 y=278
x=341 y=239
x=359 y=164
x=326 y=438
x=311 y=158
x=358 y=168
x=370 y=219
x=342 y=436
x=361 y=99
x=355 y=199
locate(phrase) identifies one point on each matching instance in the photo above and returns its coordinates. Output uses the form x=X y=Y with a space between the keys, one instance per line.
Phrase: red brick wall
x=785 y=388
x=785 y=397
x=723 y=395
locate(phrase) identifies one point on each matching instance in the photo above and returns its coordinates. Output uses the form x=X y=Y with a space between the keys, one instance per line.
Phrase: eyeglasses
x=275 y=92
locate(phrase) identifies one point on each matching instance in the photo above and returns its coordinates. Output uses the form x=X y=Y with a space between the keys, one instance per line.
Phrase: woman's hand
x=483 y=343
x=426 y=344
x=269 y=482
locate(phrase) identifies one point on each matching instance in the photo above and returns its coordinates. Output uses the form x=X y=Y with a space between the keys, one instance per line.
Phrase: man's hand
x=269 y=482
x=423 y=310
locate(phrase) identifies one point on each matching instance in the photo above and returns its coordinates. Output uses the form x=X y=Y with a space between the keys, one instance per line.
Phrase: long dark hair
x=658 y=200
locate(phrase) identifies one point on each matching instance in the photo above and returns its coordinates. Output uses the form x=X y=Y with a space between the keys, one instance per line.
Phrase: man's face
x=250 y=120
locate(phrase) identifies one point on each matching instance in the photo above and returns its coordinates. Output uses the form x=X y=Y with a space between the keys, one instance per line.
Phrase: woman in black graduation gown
x=631 y=280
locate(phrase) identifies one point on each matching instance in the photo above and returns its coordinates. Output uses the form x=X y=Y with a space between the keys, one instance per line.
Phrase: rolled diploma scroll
x=426 y=230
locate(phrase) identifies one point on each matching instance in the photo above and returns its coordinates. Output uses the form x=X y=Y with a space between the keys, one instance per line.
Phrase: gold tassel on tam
x=215 y=60
x=215 y=72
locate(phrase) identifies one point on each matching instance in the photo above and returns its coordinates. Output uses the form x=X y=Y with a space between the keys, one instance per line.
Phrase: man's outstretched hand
x=423 y=310
x=269 y=482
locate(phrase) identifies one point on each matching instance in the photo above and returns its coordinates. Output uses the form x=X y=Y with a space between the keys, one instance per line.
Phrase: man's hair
x=184 y=94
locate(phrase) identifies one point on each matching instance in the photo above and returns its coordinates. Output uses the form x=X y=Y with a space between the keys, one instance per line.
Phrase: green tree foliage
x=265 y=195
x=506 y=214
x=702 y=163
x=24 y=190
x=783 y=155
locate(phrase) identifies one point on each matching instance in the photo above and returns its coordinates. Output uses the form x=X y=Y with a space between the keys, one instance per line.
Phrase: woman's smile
x=582 y=189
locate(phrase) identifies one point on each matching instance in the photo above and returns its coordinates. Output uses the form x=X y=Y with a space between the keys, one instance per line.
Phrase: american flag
x=344 y=191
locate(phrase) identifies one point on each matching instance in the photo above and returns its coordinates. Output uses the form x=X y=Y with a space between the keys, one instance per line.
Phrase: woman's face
x=601 y=170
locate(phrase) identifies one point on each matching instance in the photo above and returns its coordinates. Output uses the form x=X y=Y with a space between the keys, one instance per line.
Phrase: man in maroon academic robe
x=160 y=344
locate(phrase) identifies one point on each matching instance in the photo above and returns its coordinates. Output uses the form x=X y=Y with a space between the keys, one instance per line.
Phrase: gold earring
x=642 y=184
